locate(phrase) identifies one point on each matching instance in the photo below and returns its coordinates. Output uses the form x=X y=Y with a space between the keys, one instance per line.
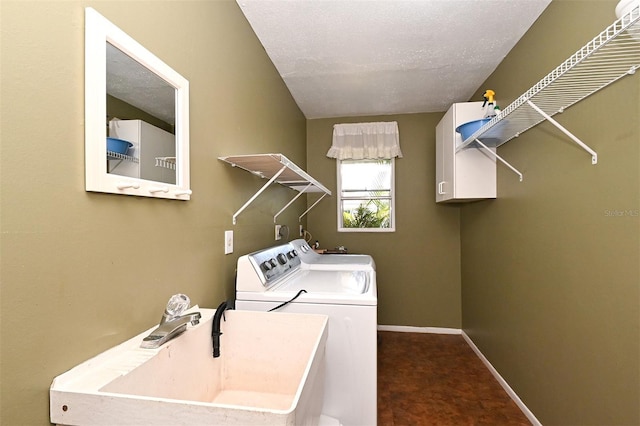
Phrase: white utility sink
x=270 y=371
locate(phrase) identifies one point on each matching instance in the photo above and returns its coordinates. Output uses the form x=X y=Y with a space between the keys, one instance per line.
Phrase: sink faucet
x=215 y=329
x=172 y=323
x=169 y=330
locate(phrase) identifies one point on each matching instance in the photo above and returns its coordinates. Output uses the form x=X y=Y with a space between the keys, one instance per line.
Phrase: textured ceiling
x=131 y=82
x=377 y=57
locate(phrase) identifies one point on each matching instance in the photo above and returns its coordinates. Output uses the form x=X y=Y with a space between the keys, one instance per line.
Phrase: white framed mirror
x=136 y=117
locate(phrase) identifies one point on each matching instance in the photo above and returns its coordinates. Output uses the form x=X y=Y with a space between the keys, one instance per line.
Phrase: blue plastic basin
x=118 y=146
x=468 y=129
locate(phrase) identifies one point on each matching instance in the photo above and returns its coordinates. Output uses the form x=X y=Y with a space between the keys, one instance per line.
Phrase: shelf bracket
x=260 y=191
x=115 y=166
x=312 y=206
x=496 y=156
x=594 y=155
x=291 y=202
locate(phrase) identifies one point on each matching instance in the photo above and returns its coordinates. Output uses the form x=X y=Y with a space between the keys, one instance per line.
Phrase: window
x=366 y=195
x=365 y=157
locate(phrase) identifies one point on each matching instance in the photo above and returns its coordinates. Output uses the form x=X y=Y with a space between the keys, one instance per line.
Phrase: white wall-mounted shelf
x=613 y=54
x=279 y=169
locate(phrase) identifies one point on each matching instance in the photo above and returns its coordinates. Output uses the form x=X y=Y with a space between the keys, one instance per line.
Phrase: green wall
x=418 y=266
x=550 y=277
x=82 y=272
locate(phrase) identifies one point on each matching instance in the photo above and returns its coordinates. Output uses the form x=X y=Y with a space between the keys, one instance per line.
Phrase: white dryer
x=277 y=278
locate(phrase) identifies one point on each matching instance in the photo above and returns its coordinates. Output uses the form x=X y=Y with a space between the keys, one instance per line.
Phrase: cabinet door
x=444 y=157
x=466 y=175
x=475 y=170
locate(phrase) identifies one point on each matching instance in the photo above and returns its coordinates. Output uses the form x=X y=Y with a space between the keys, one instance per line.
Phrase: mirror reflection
x=141 y=120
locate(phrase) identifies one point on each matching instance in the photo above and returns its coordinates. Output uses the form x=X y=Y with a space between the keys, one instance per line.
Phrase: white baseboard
x=411 y=329
x=534 y=421
x=441 y=330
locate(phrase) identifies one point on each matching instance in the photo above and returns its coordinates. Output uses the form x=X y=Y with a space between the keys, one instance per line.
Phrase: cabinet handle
x=441 y=188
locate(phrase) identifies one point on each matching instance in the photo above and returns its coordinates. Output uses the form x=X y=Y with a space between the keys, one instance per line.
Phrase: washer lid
x=323 y=287
x=314 y=281
x=337 y=262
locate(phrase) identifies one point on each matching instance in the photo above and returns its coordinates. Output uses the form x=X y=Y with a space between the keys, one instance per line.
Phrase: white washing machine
x=276 y=278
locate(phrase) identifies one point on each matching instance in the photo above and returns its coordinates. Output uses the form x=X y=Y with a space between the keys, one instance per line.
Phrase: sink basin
x=270 y=371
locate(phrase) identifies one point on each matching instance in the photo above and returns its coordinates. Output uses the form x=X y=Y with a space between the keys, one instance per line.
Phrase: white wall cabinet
x=149 y=142
x=469 y=174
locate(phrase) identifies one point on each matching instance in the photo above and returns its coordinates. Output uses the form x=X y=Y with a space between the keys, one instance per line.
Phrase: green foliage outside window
x=369 y=214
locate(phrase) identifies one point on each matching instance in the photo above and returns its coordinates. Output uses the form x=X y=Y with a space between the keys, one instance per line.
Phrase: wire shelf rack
x=613 y=54
x=166 y=162
x=279 y=169
x=111 y=155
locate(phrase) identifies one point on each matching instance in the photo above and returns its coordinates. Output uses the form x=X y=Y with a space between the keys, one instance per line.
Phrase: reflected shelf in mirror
x=148 y=143
x=114 y=159
x=166 y=162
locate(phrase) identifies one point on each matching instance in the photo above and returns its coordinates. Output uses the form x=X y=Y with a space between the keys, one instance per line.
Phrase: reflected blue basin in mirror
x=118 y=145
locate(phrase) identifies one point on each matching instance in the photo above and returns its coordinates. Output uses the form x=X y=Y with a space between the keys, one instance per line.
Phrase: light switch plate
x=228 y=242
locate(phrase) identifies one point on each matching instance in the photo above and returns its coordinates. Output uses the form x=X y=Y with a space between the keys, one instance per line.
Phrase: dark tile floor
x=437 y=379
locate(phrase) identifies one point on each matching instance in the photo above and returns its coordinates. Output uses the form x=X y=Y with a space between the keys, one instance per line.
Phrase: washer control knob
x=266 y=265
x=282 y=258
x=273 y=262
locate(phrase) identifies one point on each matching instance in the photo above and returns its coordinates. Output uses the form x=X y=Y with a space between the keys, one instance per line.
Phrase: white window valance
x=359 y=141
